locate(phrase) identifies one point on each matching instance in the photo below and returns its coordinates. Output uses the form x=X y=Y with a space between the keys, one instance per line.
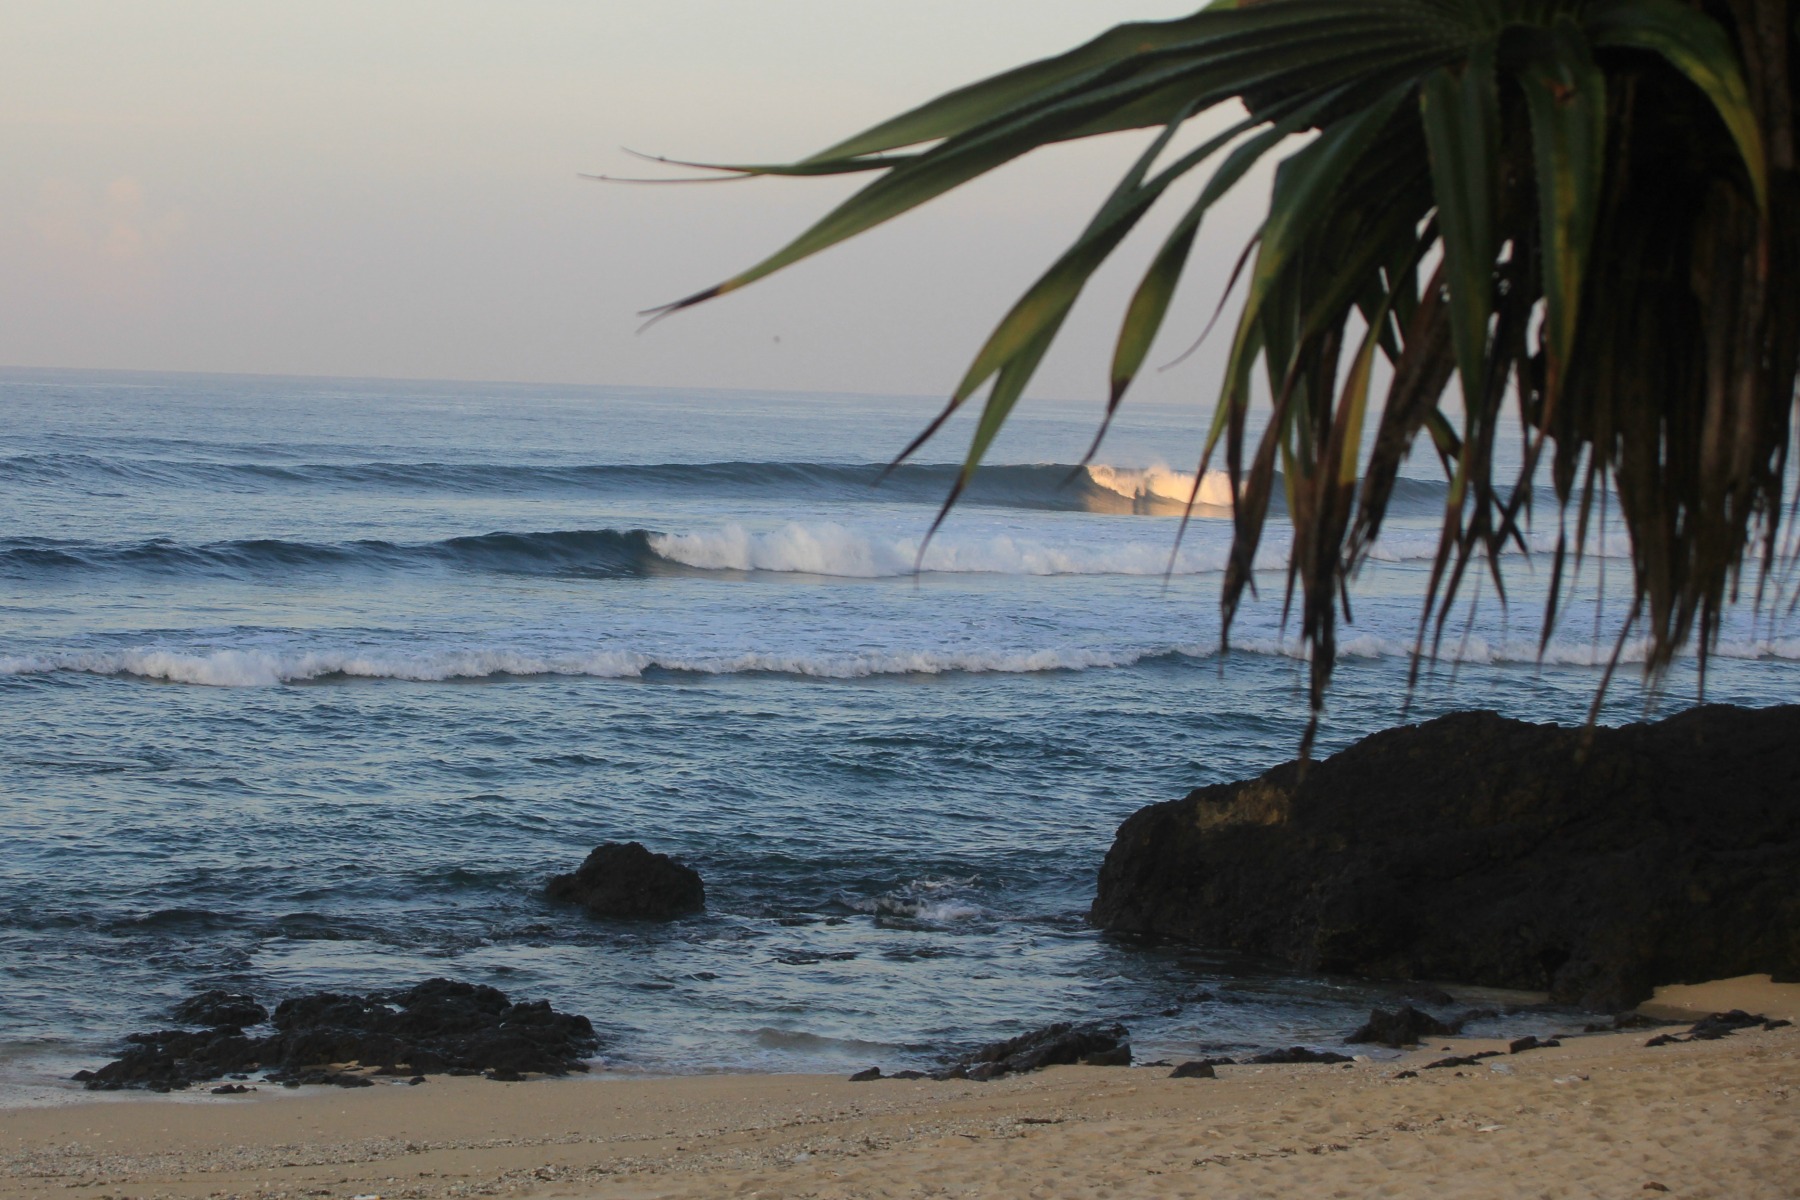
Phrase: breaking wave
x=827 y=548
x=1162 y=483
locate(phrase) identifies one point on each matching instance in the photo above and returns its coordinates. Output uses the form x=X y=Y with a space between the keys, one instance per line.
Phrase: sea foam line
x=261 y=668
x=230 y=667
x=827 y=548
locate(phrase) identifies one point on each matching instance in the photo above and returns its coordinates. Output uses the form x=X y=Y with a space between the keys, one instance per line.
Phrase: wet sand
x=1602 y=1115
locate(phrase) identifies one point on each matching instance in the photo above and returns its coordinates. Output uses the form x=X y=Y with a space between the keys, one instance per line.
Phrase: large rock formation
x=1479 y=849
x=623 y=879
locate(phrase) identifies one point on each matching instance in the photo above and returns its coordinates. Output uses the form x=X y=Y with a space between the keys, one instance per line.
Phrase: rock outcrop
x=1407 y=1027
x=441 y=1025
x=1594 y=865
x=1097 y=1045
x=623 y=879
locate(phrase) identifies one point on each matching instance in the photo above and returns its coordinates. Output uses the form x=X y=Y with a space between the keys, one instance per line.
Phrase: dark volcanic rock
x=1717 y=1025
x=1485 y=850
x=1404 y=1028
x=1462 y=1060
x=1054 y=1045
x=1194 y=1070
x=439 y=1025
x=217 y=1008
x=1302 y=1054
x=622 y=879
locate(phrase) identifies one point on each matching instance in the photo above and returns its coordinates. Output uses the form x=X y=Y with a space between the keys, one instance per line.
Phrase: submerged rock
x=437 y=1026
x=623 y=879
x=1478 y=849
x=218 y=1008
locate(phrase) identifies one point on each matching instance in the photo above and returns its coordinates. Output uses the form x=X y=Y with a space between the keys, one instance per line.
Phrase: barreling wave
x=1162 y=484
x=1047 y=486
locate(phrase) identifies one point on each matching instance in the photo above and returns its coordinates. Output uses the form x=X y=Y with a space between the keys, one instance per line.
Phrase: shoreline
x=1601 y=1114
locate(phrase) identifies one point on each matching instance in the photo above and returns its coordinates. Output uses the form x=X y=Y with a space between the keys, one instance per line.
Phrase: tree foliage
x=1588 y=206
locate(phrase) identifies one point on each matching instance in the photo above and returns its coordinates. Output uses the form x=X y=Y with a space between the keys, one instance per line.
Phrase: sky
x=394 y=190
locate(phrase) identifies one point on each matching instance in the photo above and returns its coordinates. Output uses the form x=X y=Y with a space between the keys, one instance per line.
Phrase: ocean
x=310 y=684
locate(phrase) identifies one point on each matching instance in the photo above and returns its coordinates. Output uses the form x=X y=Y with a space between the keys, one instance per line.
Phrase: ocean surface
x=310 y=684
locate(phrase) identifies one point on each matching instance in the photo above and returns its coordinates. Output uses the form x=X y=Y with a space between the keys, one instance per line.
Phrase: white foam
x=827 y=548
x=935 y=901
x=1162 y=483
x=257 y=668
x=1482 y=650
x=1410 y=545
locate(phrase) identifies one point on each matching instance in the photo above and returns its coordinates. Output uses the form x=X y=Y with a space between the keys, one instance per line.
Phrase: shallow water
x=310 y=684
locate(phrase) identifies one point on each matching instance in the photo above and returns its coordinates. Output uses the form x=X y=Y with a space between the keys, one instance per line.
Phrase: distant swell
x=601 y=552
x=1050 y=486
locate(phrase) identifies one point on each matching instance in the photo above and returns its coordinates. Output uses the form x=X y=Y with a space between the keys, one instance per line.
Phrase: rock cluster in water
x=623 y=879
x=439 y=1026
x=1591 y=864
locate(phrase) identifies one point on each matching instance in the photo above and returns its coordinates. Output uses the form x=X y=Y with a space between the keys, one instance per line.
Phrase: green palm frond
x=1607 y=189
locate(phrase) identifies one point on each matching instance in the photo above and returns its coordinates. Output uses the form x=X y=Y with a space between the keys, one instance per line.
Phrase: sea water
x=310 y=684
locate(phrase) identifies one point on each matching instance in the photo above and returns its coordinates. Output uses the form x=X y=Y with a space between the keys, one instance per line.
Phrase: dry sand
x=1601 y=1116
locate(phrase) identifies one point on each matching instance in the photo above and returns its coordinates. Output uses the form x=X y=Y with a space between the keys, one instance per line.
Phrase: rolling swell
x=604 y=553
x=1044 y=486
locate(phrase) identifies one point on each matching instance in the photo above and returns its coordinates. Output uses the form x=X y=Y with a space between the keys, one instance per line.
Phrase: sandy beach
x=1601 y=1115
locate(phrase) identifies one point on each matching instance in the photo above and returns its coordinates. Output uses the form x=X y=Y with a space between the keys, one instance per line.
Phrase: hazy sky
x=392 y=189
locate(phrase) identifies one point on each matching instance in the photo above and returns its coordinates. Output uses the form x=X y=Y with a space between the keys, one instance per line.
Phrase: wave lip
x=1162 y=483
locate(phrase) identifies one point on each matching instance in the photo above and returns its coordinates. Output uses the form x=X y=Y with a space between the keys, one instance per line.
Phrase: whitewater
x=311 y=683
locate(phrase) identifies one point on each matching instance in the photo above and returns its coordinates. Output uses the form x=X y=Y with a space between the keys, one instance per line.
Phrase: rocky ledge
x=1594 y=865
x=440 y=1025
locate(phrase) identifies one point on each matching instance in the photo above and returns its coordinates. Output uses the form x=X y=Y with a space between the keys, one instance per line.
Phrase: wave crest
x=1163 y=483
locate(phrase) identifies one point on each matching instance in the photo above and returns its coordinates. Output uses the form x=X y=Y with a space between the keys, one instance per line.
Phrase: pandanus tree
x=1584 y=212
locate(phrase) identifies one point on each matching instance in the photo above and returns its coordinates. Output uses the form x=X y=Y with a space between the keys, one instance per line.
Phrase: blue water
x=311 y=683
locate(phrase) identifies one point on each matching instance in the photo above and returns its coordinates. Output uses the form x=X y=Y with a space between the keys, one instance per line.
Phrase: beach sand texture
x=1601 y=1116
